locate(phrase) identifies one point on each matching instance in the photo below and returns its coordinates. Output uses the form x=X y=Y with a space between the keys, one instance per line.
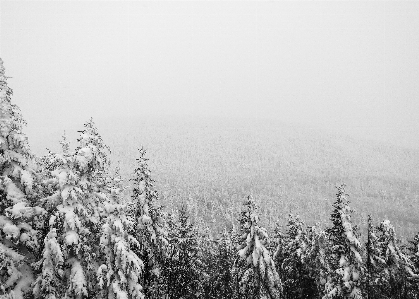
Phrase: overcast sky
x=352 y=66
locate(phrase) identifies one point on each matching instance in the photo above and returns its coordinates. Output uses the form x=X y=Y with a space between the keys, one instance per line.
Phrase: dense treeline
x=70 y=228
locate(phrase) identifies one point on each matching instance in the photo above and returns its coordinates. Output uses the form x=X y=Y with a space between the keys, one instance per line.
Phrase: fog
x=351 y=67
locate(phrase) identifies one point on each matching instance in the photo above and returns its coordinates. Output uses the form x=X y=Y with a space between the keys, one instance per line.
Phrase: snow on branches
x=258 y=269
x=18 y=233
x=344 y=260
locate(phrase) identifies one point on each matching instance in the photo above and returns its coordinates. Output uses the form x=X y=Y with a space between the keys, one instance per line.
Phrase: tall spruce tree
x=257 y=275
x=345 y=259
x=19 y=213
x=150 y=229
x=374 y=264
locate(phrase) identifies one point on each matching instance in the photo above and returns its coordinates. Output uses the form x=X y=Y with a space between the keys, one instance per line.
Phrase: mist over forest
x=288 y=168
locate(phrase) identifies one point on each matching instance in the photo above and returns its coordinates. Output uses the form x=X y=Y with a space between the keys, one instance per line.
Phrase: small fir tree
x=395 y=268
x=412 y=252
x=184 y=265
x=345 y=259
x=297 y=282
x=219 y=260
x=316 y=259
x=257 y=275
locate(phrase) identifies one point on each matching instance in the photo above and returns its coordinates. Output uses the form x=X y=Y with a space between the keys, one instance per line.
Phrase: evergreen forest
x=72 y=227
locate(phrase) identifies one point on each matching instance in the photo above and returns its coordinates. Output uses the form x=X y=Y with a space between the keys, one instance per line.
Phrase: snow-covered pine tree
x=76 y=207
x=208 y=248
x=19 y=214
x=184 y=266
x=226 y=256
x=121 y=270
x=374 y=264
x=277 y=246
x=150 y=228
x=413 y=249
x=316 y=260
x=258 y=277
x=413 y=254
x=297 y=281
x=219 y=260
x=344 y=256
x=396 y=267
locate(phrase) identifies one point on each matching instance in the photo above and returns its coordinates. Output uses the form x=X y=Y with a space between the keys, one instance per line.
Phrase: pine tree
x=19 y=213
x=150 y=229
x=374 y=263
x=120 y=273
x=413 y=254
x=277 y=246
x=76 y=208
x=297 y=281
x=344 y=252
x=257 y=275
x=184 y=265
x=225 y=262
x=219 y=260
x=208 y=248
x=395 y=268
x=316 y=259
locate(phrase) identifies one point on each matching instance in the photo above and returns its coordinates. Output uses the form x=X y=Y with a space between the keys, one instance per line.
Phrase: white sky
x=352 y=66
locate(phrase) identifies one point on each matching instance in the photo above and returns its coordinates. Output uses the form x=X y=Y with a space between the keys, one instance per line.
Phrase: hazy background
x=282 y=100
x=347 y=66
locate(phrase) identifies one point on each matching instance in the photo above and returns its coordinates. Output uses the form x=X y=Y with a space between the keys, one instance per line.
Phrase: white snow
x=19 y=210
x=4 y=220
x=14 y=194
x=11 y=230
x=11 y=253
x=26 y=179
x=71 y=237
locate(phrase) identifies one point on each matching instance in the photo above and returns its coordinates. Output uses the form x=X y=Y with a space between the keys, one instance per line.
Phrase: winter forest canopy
x=71 y=227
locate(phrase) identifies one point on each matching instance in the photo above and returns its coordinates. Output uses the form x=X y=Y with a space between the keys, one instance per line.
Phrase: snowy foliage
x=183 y=268
x=345 y=259
x=150 y=225
x=120 y=273
x=76 y=207
x=390 y=268
x=18 y=215
x=298 y=281
x=219 y=256
x=316 y=257
x=258 y=277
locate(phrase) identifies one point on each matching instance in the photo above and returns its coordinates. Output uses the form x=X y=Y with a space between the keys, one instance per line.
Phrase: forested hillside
x=203 y=214
x=216 y=162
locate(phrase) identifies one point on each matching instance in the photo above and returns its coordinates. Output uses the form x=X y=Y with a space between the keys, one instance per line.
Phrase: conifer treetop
x=259 y=268
x=91 y=152
x=17 y=212
x=345 y=259
x=16 y=157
